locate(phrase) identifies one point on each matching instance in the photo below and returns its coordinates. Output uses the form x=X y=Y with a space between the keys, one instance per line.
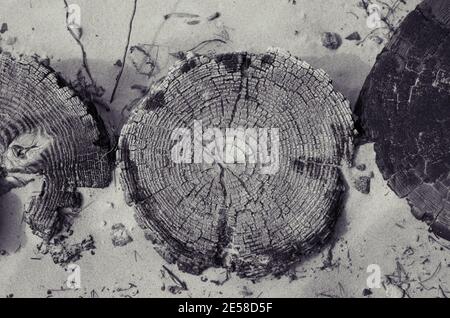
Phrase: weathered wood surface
x=45 y=129
x=231 y=215
x=404 y=108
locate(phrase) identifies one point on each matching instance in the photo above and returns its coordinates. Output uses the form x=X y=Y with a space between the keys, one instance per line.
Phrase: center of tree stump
x=234 y=161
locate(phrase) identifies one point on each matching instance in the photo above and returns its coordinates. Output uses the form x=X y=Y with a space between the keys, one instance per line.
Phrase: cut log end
x=45 y=129
x=437 y=10
x=256 y=217
x=404 y=107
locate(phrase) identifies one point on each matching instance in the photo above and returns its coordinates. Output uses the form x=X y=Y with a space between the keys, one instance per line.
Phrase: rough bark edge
x=56 y=224
x=154 y=100
x=437 y=12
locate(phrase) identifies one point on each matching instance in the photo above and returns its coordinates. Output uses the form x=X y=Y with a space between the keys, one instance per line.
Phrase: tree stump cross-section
x=45 y=129
x=404 y=108
x=221 y=203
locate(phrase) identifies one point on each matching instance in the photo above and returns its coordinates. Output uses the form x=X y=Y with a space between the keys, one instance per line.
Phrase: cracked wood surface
x=404 y=108
x=46 y=130
x=229 y=215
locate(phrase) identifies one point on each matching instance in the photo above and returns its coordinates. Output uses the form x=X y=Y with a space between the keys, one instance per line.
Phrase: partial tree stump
x=45 y=129
x=404 y=108
x=234 y=215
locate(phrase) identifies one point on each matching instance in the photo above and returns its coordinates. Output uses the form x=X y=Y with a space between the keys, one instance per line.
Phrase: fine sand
x=375 y=228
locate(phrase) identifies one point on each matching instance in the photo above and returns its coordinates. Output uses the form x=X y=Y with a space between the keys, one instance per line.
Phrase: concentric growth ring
x=45 y=129
x=234 y=161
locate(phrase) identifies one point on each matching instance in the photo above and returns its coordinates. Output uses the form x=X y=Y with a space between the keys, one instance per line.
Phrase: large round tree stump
x=220 y=203
x=404 y=108
x=45 y=129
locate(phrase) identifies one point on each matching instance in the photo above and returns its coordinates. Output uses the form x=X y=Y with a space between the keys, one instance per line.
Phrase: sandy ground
x=375 y=228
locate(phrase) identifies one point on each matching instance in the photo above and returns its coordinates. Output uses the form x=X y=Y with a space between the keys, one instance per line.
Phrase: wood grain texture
x=404 y=107
x=230 y=215
x=45 y=129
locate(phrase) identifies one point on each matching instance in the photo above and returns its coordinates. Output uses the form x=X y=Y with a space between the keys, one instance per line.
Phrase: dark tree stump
x=404 y=108
x=201 y=215
x=45 y=129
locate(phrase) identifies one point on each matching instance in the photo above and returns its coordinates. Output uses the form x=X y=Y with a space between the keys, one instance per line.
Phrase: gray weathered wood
x=45 y=129
x=231 y=215
x=404 y=108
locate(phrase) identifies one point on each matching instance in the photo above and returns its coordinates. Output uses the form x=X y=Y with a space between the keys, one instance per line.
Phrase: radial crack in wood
x=404 y=107
x=45 y=129
x=255 y=217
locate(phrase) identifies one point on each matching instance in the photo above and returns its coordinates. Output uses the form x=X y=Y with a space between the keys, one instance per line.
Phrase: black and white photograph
x=251 y=150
